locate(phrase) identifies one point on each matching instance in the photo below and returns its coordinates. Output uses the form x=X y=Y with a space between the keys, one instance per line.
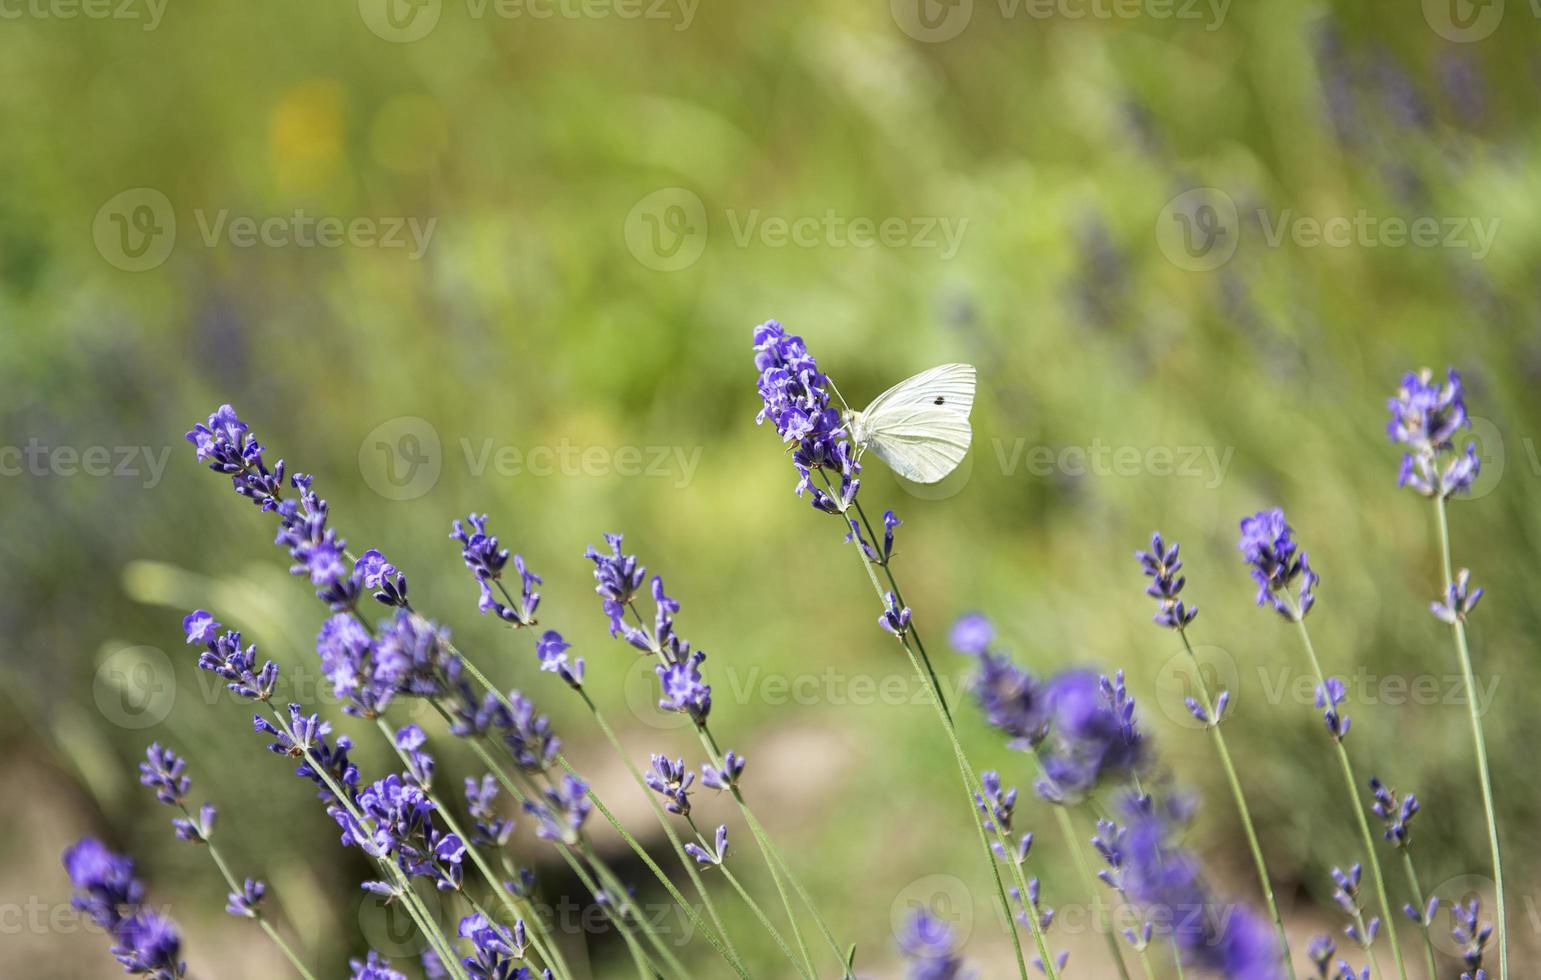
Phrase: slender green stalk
x=236 y=888
x=573 y=863
x=1089 y=879
x=748 y=899
x=631 y=841
x=1150 y=973
x=559 y=965
x=409 y=897
x=972 y=788
x=1264 y=880
x=1428 y=942
x=770 y=862
x=1479 y=740
x=725 y=947
x=761 y=838
x=1351 y=786
x=1177 y=961
x=617 y=889
x=730 y=953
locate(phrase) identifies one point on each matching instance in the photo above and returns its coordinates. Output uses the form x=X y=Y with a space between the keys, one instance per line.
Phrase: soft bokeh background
x=599 y=189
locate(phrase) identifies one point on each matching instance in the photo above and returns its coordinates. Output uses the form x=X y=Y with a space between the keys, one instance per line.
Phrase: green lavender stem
x=631 y=841
x=1478 y=740
x=971 y=785
x=1263 y=878
x=748 y=899
x=224 y=870
x=1428 y=942
x=558 y=965
x=970 y=781
x=1351 y=785
x=729 y=953
x=410 y=899
x=778 y=871
x=573 y=863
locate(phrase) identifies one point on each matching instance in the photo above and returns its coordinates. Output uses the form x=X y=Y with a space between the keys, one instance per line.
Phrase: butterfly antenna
x=837 y=392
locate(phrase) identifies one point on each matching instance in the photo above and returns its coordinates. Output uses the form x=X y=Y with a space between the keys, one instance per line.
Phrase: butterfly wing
x=922 y=444
x=953 y=384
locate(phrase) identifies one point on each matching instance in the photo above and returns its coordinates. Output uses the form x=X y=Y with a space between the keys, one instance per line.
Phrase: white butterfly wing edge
x=920 y=426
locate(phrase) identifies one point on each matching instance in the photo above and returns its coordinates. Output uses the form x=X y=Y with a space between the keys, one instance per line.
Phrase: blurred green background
x=606 y=205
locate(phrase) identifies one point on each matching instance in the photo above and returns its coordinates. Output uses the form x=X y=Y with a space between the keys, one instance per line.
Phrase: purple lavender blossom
x=404 y=832
x=930 y=946
x=1394 y=813
x=486 y=560
x=562 y=810
x=671 y=780
x=619 y=578
x=1346 y=894
x=1328 y=697
x=410 y=741
x=489 y=828
x=1426 y=417
x=1092 y=735
x=247 y=903
x=895 y=619
x=1161 y=565
x=165 y=772
x=718 y=852
x=972 y=634
x=349 y=661
x=227 y=445
x=995 y=802
x=1470 y=933
x=1012 y=700
x=105 y=886
x=1460 y=599
x=1268 y=544
x=1165 y=880
x=1321 y=950
x=375 y=967
x=527 y=733
x=144 y=942
x=412 y=656
x=684 y=689
x=224 y=656
x=797 y=404
x=496 y=949
x=388 y=583
x=726 y=777
x=309 y=743
x=551 y=650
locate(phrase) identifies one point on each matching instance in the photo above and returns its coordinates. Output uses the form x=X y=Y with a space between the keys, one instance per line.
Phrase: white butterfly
x=919 y=427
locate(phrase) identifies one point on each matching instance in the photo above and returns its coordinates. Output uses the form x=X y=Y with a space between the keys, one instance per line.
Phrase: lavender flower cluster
x=1080 y=727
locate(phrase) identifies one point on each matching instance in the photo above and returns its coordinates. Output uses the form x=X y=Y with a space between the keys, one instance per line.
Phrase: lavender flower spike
x=1161 y=565
x=727 y=776
x=1460 y=599
x=1268 y=545
x=144 y=942
x=716 y=855
x=895 y=619
x=929 y=945
x=1328 y=697
x=1425 y=418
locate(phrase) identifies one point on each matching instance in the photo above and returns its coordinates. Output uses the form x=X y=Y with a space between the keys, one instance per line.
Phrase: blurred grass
x=529 y=322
